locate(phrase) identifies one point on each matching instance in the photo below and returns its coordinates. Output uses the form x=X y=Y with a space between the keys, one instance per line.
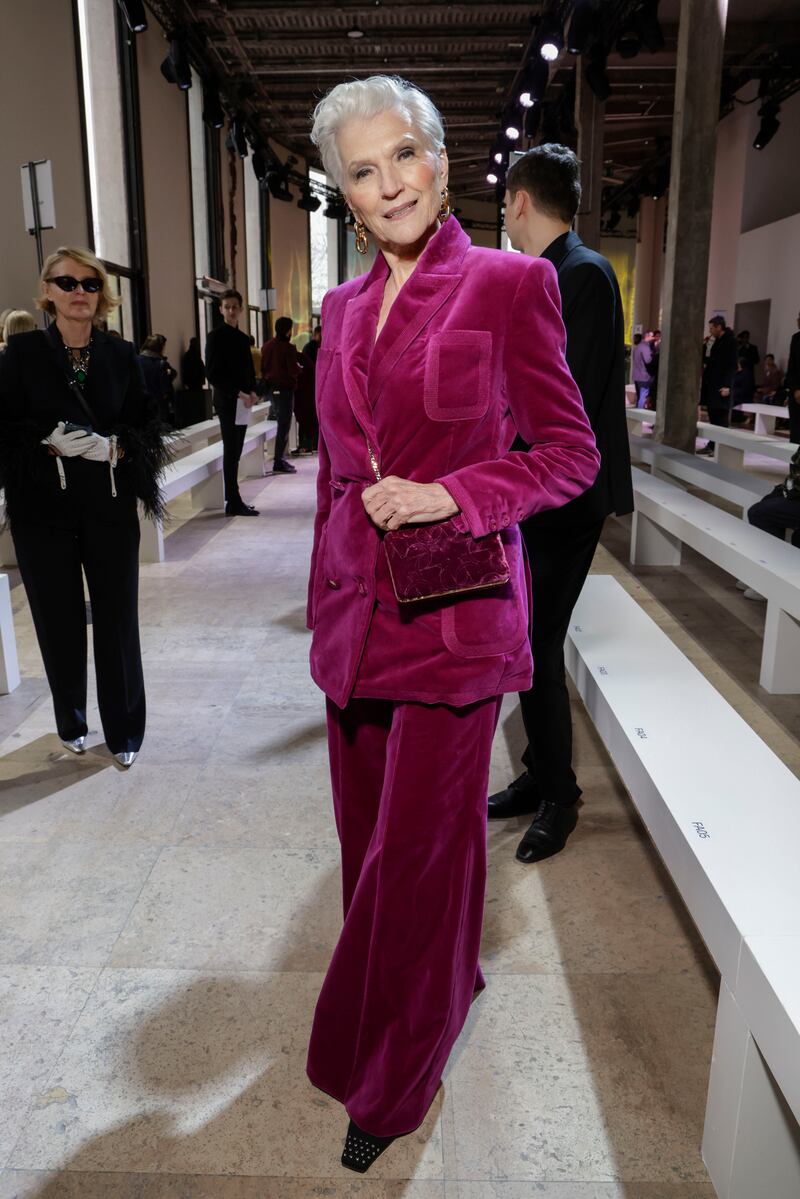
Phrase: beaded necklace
x=78 y=358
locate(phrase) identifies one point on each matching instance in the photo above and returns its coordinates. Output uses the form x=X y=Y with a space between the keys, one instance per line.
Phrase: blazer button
x=362 y=587
x=334 y=584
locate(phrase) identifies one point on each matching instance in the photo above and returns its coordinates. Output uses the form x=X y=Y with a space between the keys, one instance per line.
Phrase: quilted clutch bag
x=429 y=561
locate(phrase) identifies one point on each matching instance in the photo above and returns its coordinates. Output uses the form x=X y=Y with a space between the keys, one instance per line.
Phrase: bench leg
x=780 y=656
x=9 y=664
x=652 y=545
x=210 y=493
x=751 y=1141
x=151 y=545
x=730 y=455
x=252 y=464
x=8 y=555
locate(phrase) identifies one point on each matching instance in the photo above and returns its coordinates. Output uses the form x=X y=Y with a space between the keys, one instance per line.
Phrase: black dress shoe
x=520 y=798
x=284 y=468
x=240 y=509
x=361 y=1149
x=548 y=832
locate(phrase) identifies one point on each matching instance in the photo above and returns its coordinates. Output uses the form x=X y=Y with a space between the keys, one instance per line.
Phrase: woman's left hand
x=395 y=502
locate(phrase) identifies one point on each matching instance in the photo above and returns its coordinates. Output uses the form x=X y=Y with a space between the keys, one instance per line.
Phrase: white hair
x=364 y=98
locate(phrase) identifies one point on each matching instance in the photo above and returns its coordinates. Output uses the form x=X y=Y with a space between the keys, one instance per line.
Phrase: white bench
x=185 y=441
x=201 y=474
x=733 y=444
x=737 y=486
x=9 y=663
x=667 y=516
x=724 y=814
x=766 y=415
x=636 y=417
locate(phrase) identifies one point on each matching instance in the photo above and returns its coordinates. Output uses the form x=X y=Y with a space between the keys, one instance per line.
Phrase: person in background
x=748 y=352
x=743 y=391
x=81 y=445
x=3 y=317
x=17 y=321
x=280 y=367
x=305 y=406
x=193 y=372
x=255 y=354
x=229 y=365
x=655 y=349
x=772 y=379
x=777 y=512
x=792 y=385
x=641 y=357
x=718 y=376
x=544 y=192
x=158 y=376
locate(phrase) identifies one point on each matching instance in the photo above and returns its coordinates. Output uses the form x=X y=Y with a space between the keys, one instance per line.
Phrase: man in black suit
x=231 y=373
x=542 y=197
x=721 y=363
x=792 y=384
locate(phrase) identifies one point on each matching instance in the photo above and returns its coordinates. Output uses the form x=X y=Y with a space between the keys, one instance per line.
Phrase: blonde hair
x=4 y=315
x=366 y=98
x=18 y=321
x=107 y=300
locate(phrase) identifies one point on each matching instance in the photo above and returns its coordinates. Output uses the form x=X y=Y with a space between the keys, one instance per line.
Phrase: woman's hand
x=395 y=502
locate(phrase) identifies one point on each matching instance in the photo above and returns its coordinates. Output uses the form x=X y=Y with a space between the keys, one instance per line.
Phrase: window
x=324 y=248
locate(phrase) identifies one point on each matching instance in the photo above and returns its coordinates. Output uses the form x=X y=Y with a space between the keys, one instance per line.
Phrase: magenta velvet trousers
x=409 y=792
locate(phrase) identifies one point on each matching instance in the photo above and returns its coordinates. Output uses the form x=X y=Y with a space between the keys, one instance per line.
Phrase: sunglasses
x=68 y=283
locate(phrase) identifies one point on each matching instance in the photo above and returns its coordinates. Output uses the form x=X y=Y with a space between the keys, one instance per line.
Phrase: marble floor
x=163 y=932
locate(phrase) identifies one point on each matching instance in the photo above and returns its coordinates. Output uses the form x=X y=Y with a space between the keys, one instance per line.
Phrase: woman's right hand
x=66 y=445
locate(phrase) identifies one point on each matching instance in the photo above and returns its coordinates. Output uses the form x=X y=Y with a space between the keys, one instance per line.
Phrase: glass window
x=197 y=154
x=254 y=239
x=97 y=20
x=324 y=247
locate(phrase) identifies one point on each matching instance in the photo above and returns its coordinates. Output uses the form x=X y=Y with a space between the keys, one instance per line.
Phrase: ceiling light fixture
x=769 y=125
x=134 y=13
x=176 y=67
x=355 y=32
x=551 y=39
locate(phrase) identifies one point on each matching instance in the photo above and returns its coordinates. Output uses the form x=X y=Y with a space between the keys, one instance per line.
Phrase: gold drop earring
x=362 y=245
x=444 y=211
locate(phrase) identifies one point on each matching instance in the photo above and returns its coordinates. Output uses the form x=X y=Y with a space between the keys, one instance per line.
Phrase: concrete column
x=649 y=268
x=697 y=89
x=589 y=118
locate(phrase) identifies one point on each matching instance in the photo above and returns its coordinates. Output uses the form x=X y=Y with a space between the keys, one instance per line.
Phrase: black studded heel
x=361 y=1149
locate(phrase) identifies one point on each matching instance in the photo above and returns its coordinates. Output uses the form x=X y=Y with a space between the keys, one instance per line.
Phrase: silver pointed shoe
x=78 y=746
x=126 y=759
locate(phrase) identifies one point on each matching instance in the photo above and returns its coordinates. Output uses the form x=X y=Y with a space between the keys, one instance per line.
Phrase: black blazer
x=720 y=369
x=35 y=395
x=792 y=378
x=595 y=324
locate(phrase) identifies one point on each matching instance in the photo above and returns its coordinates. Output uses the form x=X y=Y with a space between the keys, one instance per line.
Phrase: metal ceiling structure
x=273 y=61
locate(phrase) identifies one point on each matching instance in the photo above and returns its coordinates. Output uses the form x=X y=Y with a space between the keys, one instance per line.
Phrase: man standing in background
x=542 y=198
x=229 y=366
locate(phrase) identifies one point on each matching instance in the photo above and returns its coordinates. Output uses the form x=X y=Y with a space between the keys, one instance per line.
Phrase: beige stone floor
x=163 y=932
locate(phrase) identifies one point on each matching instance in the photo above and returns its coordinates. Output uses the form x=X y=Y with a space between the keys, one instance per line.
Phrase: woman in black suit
x=80 y=443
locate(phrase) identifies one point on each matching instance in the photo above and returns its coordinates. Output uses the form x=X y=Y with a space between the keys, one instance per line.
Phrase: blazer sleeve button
x=362 y=587
x=334 y=584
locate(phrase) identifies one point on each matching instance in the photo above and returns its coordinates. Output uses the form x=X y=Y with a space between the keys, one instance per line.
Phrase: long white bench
x=733 y=444
x=9 y=663
x=667 y=516
x=724 y=814
x=766 y=416
x=201 y=474
x=737 y=486
x=193 y=437
x=636 y=417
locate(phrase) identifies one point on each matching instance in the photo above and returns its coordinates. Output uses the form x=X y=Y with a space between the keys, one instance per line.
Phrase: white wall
x=734 y=134
x=769 y=269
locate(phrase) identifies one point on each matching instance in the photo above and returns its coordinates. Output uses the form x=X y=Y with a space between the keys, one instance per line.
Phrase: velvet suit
x=472 y=352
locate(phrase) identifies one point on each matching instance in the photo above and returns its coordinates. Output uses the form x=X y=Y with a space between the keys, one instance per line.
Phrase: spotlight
x=581 y=27
x=176 y=67
x=533 y=119
x=769 y=125
x=238 y=136
x=534 y=82
x=260 y=167
x=213 y=113
x=628 y=44
x=499 y=155
x=646 y=24
x=355 y=32
x=308 y=201
x=511 y=123
x=335 y=209
x=134 y=14
x=551 y=39
x=596 y=76
x=278 y=184
x=492 y=177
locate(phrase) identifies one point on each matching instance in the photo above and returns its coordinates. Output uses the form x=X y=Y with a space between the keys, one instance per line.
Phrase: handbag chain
x=374 y=462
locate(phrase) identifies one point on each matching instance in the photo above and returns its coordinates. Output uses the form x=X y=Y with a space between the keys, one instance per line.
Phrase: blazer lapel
x=357 y=340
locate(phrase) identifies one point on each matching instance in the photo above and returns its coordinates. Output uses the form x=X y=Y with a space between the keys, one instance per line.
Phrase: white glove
x=96 y=448
x=68 y=445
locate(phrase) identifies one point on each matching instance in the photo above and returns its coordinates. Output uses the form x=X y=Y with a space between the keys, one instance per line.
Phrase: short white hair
x=365 y=98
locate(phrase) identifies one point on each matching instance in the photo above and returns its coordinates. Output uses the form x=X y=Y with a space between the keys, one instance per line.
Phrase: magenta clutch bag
x=429 y=561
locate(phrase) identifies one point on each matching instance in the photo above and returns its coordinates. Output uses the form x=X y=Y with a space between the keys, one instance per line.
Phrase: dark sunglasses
x=68 y=283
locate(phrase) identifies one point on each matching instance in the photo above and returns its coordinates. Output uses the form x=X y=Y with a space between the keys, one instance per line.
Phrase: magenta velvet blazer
x=472 y=353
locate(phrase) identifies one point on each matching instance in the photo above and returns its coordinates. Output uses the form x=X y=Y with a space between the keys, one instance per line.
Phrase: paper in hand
x=244 y=415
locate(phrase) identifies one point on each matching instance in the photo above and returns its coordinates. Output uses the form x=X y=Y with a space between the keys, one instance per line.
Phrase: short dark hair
x=745 y=333
x=284 y=326
x=717 y=320
x=231 y=294
x=551 y=175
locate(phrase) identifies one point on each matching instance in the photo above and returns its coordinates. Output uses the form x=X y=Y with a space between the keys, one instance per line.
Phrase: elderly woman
x=80 y=443
x=431 y=364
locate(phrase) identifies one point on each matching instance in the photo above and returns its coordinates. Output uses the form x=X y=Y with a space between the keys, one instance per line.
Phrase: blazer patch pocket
x=457 y=374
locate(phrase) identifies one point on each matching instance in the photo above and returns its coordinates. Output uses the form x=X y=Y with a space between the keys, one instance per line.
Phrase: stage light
x=134 y=14
x=176 y=67
x=238 y=136
x=769 y=125
x=551 y=39
x=581 y=27
x=534 y=82
x=533 y=119
x=492 y=177
x=645 y=22
x=336 y=209
x=597 y=77
x=278 y=184
x=309 y=202
x=213 y=113
x=628 y=44
x=260 y=165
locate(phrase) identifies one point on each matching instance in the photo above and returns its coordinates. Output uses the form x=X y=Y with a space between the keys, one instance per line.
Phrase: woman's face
x=390 y=177
x=77 y=305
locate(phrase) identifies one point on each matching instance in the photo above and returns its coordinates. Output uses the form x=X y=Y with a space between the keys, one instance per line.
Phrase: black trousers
x=284 y=404
x=794 y=418
x=232 y=445
x=775 y=514
x=560 y=559
x=51 y=561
